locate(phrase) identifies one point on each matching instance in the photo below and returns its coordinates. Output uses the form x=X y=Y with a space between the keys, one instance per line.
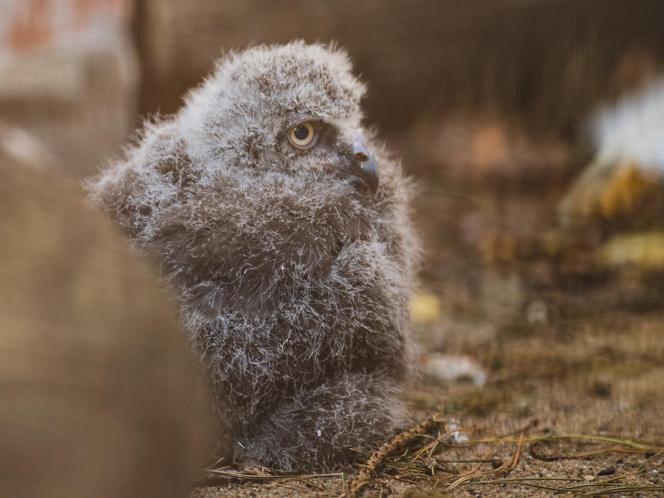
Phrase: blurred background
x=491 y=109
x=533 y=128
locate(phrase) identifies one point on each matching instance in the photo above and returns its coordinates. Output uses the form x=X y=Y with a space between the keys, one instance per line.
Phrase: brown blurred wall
x=546 y=61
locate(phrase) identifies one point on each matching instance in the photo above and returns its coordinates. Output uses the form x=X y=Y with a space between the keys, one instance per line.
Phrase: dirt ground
x=574 y=408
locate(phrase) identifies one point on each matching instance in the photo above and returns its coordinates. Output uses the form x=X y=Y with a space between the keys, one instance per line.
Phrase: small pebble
x=601 y=389
x=608 y=471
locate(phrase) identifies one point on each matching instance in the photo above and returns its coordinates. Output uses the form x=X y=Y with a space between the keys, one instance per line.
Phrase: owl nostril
x=364 y=168
x=362 y=157
x=360 y=151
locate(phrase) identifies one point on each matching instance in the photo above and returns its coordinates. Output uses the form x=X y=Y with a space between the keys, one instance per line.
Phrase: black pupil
x=301 y=132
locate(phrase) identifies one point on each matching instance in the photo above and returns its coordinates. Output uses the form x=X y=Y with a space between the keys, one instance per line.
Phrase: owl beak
x=364 y=166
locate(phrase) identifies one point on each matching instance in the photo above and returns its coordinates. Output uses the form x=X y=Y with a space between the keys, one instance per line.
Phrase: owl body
x=293 y=267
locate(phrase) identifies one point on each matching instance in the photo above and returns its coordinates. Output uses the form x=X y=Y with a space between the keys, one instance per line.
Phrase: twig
x=397 y=443
x=637 y=445
x=505 y=468
x=533 y=452
x=623 y=489
x=229 y=474
x=431 y=447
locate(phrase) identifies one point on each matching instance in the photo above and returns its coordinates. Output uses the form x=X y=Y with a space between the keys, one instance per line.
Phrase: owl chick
x=284 y=229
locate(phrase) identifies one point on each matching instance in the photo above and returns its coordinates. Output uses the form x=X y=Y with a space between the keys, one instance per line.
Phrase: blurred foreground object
x=626 y=177
x=24 y=149
x=449 y=368
x=68 y=74
x=100 y=397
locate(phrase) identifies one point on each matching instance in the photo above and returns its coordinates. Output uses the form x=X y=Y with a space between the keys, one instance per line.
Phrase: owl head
x=293 y=109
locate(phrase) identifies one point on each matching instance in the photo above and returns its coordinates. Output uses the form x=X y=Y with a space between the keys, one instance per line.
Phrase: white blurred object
x=457 y=436
x=633 y=129
x=23 y=148
x=453 y=368
x=628 y=137
x=536 y=312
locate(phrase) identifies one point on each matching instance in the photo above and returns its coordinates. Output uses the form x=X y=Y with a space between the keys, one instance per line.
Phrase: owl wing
x=153 y=175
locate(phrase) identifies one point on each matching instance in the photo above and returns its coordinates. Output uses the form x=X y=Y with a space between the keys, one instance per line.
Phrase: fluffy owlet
x=284 y=229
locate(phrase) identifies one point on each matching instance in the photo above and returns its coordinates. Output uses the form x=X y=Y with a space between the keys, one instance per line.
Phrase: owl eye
x=302 y=136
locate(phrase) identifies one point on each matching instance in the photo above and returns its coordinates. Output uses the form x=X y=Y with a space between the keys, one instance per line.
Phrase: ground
x=574 y=408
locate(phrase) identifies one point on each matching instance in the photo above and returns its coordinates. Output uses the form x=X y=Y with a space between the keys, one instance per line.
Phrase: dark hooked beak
x=364 y=166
